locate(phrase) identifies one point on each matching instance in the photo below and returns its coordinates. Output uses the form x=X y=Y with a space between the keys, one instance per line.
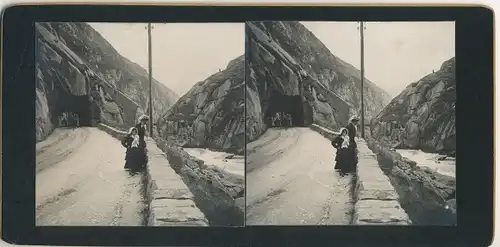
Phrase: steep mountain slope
x=286 y=59
x=71 y=59
x=212 y=113
x=426 y=112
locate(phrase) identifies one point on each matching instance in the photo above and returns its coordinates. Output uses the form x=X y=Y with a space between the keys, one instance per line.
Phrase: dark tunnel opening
x=75 y=111
x=285 y=111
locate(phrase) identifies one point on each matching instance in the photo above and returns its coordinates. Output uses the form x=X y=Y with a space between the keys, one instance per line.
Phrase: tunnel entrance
x=285 y=111
x=75 y=111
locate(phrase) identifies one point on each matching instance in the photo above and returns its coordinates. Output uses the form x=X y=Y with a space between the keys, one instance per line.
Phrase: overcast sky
x=183 y=53
x=396 y=53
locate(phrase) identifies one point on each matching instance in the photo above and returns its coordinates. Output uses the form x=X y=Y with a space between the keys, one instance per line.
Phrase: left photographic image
x=140 y=124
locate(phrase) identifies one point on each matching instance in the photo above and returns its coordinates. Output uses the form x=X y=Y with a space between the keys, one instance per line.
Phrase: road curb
x=215 y=191
x=377 y=202
x=171 y=203
x=427 y=196
x=375 y=199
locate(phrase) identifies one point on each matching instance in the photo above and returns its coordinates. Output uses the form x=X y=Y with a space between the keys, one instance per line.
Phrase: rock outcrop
x=423 y=115
x=290 y=68
x=211 y=114
x=71 y=60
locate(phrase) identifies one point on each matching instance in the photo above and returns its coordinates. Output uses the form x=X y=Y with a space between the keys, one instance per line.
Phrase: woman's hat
x=143 y=117
x=354 y=118
x=342 y=129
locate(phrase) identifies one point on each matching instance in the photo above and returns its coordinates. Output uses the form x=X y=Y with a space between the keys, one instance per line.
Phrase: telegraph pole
x=361 y=34
x=150 y=56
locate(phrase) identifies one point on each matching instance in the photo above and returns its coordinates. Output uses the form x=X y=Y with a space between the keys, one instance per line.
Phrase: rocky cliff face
x=286 y=59
x=71 y=59
x=425 y=112
x=212 y=113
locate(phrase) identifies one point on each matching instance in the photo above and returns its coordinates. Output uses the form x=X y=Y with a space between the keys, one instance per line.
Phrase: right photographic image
x=350 y=123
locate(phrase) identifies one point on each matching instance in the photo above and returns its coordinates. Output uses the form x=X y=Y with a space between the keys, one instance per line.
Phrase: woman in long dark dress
x=342 y=159
x=133 y=153
x=141 y=131
x=353 y=147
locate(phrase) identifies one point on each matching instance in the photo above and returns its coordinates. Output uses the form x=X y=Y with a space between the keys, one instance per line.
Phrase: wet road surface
x=80 y=181
x=291 y=181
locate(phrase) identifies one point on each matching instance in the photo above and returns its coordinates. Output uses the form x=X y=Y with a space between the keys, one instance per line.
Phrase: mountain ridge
x=287 y=58
x=211 y=113
x=71 y=59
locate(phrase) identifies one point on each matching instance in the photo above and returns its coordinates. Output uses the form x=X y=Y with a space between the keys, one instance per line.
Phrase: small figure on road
x=288 y=120
x=133 y=154
x=64 y=120
x=342 y=158
x=70 y=117
x=77 y=119
x=276 y=120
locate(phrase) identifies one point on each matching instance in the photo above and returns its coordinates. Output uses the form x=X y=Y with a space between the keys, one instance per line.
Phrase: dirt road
x=80 y=181
x=291 y=180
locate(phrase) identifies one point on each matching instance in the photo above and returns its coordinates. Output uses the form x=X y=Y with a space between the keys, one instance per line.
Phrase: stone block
x=381 y=223
x=195 y=223
x=376 y=194
x=172 y=187
x=171 y=203
x=170 y=210
x=167 y=179
x=372 y=177
x=369 y=170
x=157 y=166
x=379 y=212
x=376 y=185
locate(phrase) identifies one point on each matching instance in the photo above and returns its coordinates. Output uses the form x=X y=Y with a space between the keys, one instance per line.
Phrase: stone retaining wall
x=327 y=133
x=427 y=196
x=114 y=132
x=169 y=200
x=219 y=194
x=375 y=199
